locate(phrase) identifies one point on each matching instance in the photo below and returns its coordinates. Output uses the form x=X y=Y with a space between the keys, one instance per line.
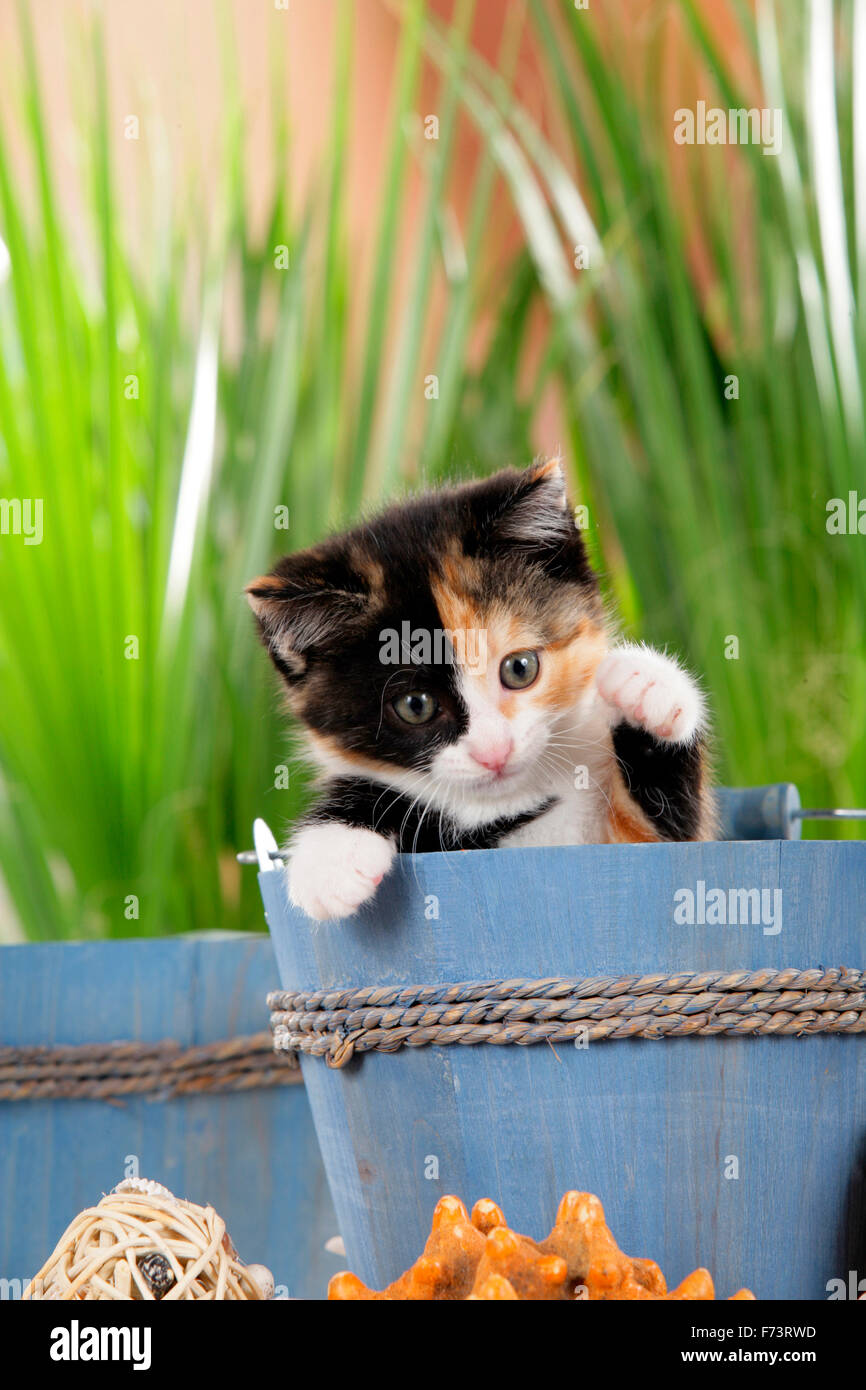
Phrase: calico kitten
x=455 y=673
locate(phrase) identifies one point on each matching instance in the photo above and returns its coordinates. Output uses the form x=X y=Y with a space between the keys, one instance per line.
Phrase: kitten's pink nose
x=493 y=756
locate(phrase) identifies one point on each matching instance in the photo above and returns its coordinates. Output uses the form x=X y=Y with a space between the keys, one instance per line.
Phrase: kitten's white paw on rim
x=333 y=869
x=652 y=692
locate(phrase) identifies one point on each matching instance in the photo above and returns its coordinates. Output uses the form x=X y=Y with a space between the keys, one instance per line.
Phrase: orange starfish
x=480 y=1258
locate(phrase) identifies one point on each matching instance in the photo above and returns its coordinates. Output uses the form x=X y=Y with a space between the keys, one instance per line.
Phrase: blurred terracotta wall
x=165 y=66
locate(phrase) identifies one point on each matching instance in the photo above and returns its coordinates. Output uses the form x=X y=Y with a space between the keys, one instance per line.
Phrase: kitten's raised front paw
x=335 y=868
x=651 y=691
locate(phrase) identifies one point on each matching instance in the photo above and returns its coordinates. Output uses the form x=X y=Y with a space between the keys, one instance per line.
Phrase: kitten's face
x=443 y=648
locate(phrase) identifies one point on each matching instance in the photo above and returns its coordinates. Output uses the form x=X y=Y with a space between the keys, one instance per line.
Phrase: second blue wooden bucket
x=251 y=1153
x=741 y=1154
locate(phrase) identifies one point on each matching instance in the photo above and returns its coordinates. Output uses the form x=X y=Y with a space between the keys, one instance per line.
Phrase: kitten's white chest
x=579 y=813
x=578 y=817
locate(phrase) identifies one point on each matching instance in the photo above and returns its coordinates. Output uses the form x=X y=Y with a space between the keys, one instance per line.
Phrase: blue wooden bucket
x=744 y=1154
x=252 y=1154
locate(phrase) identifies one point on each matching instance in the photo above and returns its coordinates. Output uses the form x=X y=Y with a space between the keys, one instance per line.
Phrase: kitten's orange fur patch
x=626 y=823
x=370 y=569
x=362 y=762
x=451 y=594
x=567 y=668
x=567 y=665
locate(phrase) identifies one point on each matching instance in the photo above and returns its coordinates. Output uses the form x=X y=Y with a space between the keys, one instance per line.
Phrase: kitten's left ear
x=537 y=512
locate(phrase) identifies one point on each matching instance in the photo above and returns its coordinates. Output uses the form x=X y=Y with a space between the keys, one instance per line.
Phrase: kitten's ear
x=309 y=601
x=529 y=512
x=537 y=511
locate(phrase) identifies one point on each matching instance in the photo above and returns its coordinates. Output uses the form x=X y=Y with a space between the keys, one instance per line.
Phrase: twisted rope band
x=797 y=1003
x=99 y=1071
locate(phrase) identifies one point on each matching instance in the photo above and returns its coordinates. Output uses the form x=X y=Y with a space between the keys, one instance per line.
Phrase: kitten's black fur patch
x=663 y=778
x=415 y=830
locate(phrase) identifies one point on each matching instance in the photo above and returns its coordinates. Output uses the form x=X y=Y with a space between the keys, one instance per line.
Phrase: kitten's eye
x=418 y=707
x=518 y=670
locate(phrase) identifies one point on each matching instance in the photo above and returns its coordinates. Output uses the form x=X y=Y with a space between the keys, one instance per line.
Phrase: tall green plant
x=714 y=416
x=175 y=456
x=139 y=729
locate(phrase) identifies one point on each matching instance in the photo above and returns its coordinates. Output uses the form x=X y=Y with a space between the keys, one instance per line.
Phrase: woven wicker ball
x=141 y=1242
